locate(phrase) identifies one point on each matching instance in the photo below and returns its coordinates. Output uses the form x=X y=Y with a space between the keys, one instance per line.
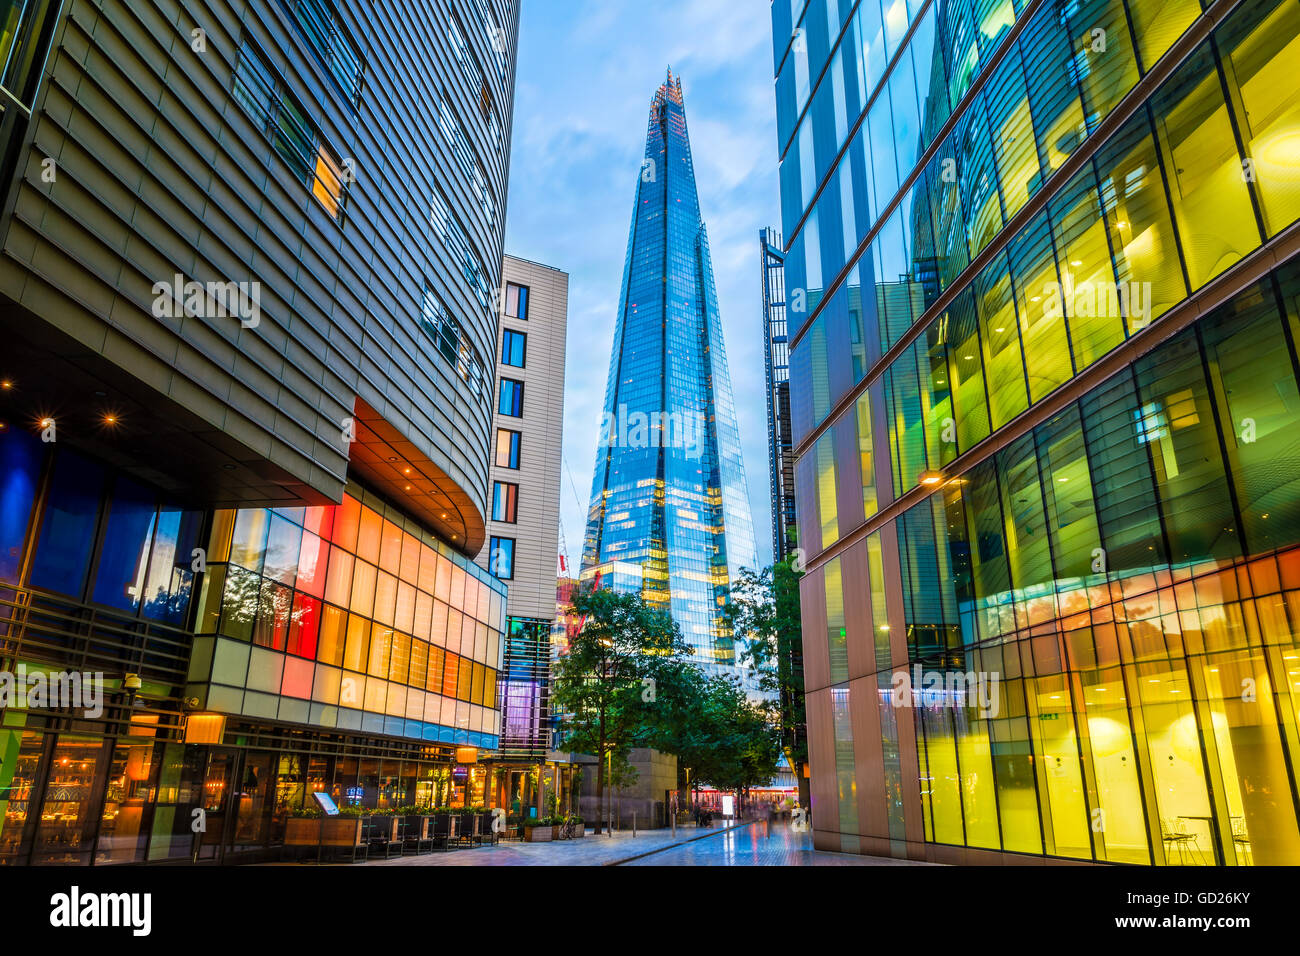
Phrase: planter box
x=579 y=831
x=384 y=829
x=302 y=831
x=539 y=834
x=340 y=831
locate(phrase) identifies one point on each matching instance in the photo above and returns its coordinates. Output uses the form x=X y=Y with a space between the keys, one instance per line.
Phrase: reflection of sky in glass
x=675 y=518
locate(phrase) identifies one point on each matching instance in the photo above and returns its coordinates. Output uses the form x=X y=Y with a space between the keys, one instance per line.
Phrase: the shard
x=669 y=511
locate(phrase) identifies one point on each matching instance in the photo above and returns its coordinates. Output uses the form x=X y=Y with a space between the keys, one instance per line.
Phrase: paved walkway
x=744 y=845
x=591 y=850
x=751 y=846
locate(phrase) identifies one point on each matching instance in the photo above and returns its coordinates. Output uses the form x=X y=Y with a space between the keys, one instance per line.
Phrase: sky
x=587 y=71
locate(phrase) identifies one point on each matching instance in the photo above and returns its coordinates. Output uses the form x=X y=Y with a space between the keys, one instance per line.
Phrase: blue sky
x=587 y=71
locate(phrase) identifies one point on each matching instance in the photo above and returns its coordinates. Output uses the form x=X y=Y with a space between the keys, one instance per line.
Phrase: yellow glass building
x=1044 y=305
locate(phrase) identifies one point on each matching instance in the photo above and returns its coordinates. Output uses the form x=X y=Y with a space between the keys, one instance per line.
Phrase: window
x=295 y=137
x=501 y=557
x=451 y=342
x=517 y=301
x=513 y=347
x=447 y=229
x=469 y=164
x=510 y=401
x=323 y=29
x=508 y=448
x=505 y=499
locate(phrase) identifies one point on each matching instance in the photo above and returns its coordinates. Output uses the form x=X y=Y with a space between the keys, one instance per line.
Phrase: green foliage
x=614 y=666
x=725 y=739
x=764 y=614
x=306 y=813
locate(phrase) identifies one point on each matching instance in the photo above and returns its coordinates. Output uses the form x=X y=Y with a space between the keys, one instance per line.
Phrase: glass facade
x=347 y=616
x=669 y=511
x=1049 y=316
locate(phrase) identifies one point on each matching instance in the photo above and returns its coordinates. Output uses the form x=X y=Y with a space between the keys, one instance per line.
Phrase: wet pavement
x=752 y=846
x=745 y=845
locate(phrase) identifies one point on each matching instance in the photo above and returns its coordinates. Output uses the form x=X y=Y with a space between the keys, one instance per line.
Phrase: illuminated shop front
x=337 y=649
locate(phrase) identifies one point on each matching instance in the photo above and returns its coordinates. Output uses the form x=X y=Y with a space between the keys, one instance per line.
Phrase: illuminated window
x=505 y=498
x=508 y=443
x=296 y=138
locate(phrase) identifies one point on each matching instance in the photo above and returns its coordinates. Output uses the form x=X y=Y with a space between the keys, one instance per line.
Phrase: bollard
x=633 y=824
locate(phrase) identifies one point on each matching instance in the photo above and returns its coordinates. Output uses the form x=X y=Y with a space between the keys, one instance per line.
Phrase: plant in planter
x=383 y=824
x=303 y=828
x=579 y=828
x=538 y=830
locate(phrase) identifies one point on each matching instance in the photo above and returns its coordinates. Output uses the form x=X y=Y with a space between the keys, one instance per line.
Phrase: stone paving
x=745 y=845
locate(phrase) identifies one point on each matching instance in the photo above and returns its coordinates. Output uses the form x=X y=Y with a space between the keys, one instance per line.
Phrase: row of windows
x=449 y=230
x=296 y=138
x=505 y=494
x=1047 y=96
x=1167 y=204
x=354 y=557
x=101 y=537
x=469 y=163
x=473 y=73
x=451 y=342
x=331 y=40
x=1122 y=572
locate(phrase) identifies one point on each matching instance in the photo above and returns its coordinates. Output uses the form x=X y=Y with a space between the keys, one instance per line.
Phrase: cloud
x=584 y=83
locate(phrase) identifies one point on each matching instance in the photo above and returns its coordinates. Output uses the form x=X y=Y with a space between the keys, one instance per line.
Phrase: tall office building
x=669 y=512
x=523 y=526
x=1044 y=304
x=246 y=404
x=776 y=368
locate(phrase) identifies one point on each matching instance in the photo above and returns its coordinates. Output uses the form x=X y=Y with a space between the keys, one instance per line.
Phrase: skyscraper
x=669 y=514
x=1044 y=289
x=776 y=368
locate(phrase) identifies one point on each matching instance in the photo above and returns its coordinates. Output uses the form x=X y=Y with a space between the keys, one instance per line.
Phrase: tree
x=613 y=667
x=764 y=614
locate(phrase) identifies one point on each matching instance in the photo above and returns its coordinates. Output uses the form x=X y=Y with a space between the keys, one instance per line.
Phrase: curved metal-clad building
x=249 y=255
x=350 y=170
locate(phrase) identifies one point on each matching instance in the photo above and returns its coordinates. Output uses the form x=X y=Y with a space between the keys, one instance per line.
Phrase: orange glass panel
x=369 y=536
x=390 y=548
x=363 y=588
x=347 y=520
x=332 y=624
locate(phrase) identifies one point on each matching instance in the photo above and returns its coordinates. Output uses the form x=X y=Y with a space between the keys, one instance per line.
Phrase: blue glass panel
x=119 y=579
x=21 y=456
x=168 y=588
x=68 y=526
